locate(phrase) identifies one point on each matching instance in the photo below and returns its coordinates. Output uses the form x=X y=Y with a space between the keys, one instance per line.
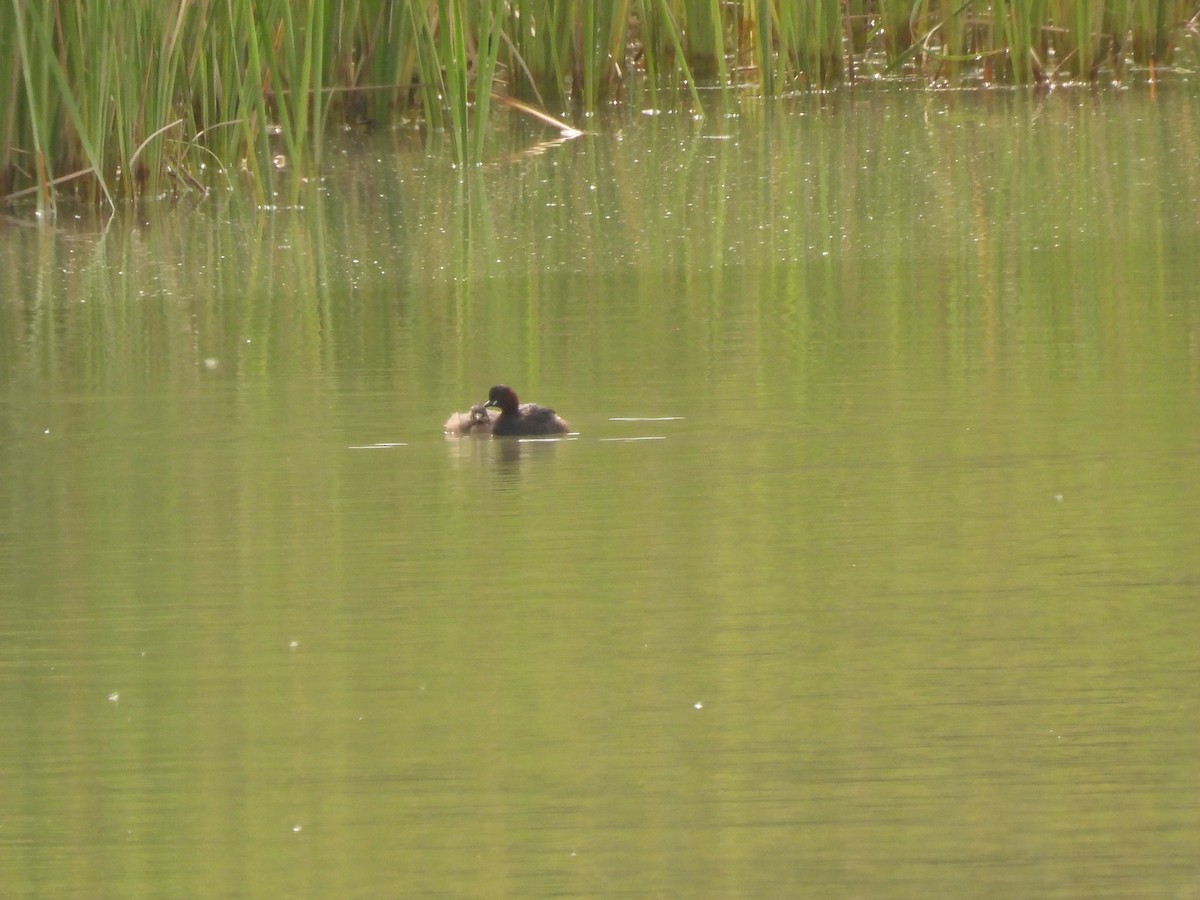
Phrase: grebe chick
x=477 y=420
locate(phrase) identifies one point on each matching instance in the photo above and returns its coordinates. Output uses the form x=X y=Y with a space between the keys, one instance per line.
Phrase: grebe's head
x=504 y=398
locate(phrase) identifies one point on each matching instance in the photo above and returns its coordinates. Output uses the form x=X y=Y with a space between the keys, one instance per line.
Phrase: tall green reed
x=130 y=98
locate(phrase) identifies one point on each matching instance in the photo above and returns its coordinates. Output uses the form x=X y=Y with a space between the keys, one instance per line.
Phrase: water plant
x=133 y=98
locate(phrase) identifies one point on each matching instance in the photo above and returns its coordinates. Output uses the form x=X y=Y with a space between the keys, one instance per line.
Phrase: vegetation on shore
x=132 y=98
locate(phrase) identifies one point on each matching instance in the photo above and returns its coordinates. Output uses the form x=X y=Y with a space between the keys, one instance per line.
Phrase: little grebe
x=477 y=420
x=518 y=418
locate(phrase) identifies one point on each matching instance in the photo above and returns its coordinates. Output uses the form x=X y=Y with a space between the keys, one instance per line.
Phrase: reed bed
x=134 y=98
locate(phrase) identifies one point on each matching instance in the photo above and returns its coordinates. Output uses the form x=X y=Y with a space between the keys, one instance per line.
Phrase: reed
x=133 y=98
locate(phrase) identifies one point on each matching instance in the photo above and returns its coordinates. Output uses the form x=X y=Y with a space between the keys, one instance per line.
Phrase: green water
x=874 y=569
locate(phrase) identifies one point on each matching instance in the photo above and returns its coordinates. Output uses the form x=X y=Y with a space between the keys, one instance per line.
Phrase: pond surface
x=873 y=570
